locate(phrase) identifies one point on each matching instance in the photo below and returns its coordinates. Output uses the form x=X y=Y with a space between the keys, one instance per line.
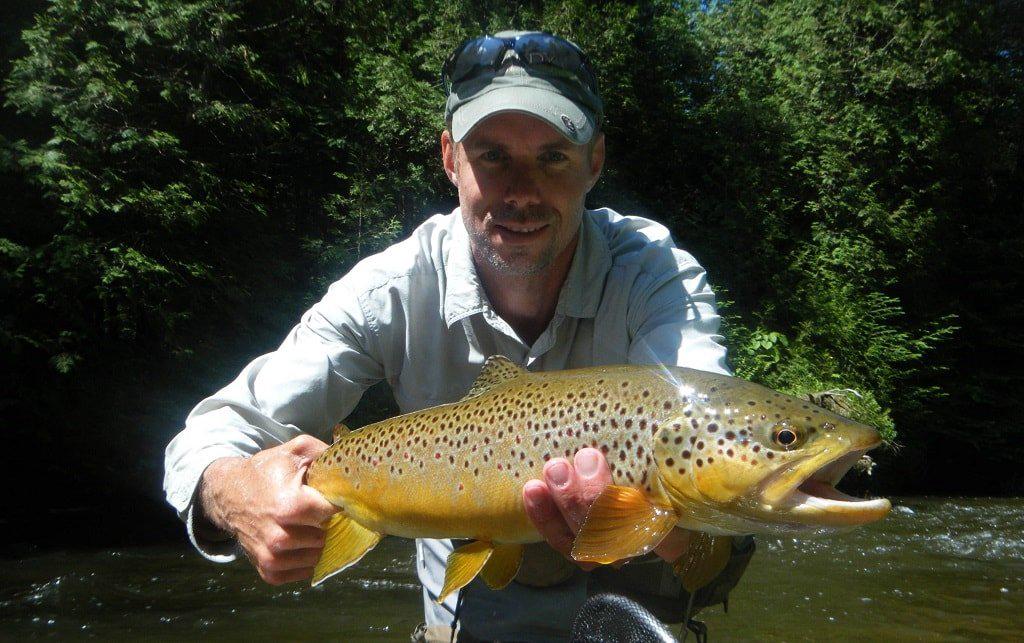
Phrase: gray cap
x=555 y=96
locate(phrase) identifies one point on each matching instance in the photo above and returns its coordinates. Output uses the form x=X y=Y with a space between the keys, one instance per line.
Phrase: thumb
x=306 y=447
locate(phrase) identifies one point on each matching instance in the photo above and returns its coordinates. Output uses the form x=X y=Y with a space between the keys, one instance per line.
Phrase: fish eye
x=784 y=436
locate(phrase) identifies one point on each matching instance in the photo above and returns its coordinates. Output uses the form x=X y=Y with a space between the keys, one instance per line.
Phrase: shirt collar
x=581 y=292
x=580 y=295
x=463 y=294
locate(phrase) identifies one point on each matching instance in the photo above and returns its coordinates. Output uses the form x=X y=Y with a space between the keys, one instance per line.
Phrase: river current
x=934 y=570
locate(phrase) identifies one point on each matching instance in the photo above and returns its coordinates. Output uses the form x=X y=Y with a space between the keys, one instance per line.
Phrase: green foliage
x=184 y=177
x=868 y=123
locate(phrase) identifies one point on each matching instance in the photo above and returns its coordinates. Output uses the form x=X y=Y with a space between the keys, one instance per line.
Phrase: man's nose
x=522 y=189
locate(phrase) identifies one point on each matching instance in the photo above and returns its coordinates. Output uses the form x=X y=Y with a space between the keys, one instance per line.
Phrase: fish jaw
x=805 y=494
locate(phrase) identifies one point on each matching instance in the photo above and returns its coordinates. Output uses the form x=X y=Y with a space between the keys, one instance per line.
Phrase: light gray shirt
x=416 y=315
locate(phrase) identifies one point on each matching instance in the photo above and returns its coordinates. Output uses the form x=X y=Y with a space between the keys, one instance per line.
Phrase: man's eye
x=492 y=156
x=554 y=157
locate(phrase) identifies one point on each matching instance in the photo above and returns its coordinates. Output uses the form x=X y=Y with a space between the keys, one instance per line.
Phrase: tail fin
x=347 y=542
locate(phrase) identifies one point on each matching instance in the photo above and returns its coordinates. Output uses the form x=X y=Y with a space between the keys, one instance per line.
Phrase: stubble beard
x=517 y=262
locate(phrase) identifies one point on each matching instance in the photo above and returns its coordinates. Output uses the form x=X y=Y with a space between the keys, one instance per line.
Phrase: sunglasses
x=535 y=49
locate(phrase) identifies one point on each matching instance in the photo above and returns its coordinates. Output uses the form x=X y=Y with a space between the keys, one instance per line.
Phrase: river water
x=935 y=569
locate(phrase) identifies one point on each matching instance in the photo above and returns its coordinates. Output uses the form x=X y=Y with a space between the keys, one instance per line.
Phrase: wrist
x=211 y=513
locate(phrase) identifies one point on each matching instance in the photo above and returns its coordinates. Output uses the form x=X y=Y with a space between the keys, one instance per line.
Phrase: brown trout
x=686 y=448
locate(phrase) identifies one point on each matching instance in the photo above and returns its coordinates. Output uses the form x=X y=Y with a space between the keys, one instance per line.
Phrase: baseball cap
x=522 y=71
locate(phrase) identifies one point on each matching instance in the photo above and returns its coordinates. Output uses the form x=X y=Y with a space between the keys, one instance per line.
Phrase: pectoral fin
x=346 y=542
x=705 y=558
x=622 y=523
x=463 y=565
x=502 y=566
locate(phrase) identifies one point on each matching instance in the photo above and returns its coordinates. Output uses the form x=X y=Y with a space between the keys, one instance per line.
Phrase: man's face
x=521 y=190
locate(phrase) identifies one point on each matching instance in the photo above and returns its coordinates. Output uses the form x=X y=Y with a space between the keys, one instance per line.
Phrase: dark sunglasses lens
x=543 y=49
x=540 y=49
x=482 y=52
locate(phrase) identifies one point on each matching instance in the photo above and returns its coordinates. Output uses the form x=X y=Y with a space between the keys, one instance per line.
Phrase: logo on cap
x=568 y=123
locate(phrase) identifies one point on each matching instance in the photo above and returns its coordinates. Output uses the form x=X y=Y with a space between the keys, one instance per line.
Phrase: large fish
x=686 y=448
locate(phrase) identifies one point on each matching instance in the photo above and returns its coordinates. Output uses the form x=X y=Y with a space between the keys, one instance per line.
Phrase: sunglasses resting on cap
x=532 y=72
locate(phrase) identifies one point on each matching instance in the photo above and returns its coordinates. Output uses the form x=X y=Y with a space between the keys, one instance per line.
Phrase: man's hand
x=558 y=505
x=263 y=502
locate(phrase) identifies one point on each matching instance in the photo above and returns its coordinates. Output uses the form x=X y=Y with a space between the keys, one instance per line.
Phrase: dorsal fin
x=340 y=429
x=496 y=370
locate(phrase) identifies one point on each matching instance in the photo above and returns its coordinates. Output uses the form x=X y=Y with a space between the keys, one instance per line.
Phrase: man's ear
x=448 y=157
x=596 y=161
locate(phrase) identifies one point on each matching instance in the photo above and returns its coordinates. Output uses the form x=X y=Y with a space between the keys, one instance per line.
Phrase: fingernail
x=558 y=473
x=587 y=462
x=534 y=492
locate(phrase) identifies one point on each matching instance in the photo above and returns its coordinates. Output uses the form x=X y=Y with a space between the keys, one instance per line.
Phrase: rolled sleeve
x=312 y=381
x=675 y=320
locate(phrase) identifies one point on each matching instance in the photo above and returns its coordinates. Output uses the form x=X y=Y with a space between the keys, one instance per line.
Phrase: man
x=519 y=269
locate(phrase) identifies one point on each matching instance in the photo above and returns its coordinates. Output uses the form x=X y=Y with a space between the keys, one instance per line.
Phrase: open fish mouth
x=808 y=494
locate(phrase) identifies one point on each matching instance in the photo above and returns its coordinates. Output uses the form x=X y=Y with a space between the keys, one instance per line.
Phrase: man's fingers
x=301 y=506
x=546 y=516
x=296 y=537
x=593 y=475
x=319 y=507
x=563 y=486
x=288 y=576
x=574 y=488
x=313 y=508
x=288 y=560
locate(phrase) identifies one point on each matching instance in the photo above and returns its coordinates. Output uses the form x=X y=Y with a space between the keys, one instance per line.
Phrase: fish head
x=751 y=460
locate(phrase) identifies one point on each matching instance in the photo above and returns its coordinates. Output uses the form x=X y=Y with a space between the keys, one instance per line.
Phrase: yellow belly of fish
x=434 y=506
